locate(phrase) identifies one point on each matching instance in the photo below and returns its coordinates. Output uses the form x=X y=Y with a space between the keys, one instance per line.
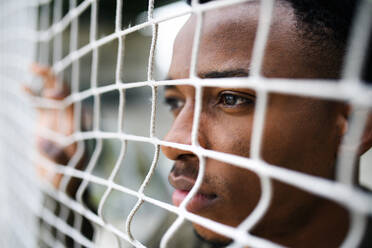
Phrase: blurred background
x=137 y=112
x=150 y=222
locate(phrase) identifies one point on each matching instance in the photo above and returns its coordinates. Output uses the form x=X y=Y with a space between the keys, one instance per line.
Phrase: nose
x=180 y=132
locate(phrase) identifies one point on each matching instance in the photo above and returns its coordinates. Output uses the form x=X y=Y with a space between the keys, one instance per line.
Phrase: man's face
x=300 y=133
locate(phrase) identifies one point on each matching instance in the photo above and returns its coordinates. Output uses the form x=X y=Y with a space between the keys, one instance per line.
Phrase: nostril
x=188 y=157
x=172 y=152
x=186 y=165
x=180 y=133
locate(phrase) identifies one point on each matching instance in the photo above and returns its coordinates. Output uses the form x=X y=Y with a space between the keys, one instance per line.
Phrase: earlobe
x=343 y=120
x=366 y=140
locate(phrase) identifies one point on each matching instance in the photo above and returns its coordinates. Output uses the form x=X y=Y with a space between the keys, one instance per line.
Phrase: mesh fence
x=44 y=212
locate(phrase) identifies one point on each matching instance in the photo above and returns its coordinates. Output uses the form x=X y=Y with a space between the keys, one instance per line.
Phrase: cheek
x=211 y=236
x=238 y=189
x=300 y=135
x=230 y=134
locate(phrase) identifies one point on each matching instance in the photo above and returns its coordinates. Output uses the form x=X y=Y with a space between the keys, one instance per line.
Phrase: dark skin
x=59 y=121
x=300 y=133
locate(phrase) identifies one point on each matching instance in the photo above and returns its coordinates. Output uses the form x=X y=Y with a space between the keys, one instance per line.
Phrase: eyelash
x=173 y=103
x=244 y=100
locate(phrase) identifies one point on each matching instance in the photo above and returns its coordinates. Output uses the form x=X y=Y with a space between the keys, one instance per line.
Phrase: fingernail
x=53 y=151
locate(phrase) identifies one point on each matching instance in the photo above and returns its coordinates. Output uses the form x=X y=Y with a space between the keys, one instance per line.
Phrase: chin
x=210 y=237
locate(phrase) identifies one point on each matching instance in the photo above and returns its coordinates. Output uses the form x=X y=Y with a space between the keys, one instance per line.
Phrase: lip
x=182 y=184
x=197 y=203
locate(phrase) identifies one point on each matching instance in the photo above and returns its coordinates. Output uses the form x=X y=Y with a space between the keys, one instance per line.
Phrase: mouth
x=183 y=182
x=198 y=203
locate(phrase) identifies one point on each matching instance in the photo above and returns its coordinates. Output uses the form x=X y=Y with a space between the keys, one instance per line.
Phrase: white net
x=43 y=212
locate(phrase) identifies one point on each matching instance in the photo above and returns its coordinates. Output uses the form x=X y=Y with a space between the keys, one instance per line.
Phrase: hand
x=59 y=121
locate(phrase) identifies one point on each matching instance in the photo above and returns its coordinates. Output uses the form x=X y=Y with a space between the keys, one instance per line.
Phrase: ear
x=366 y=140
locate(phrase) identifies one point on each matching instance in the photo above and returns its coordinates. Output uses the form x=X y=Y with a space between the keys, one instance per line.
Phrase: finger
x=40 y=70
x=51 y=89
x=57 y=93
x=49 y=175
x=28 y=90
x=86 y=118
x=52 y=151
x=46 y=73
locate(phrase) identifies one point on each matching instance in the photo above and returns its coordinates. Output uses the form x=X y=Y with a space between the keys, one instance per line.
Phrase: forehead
x=227 y=41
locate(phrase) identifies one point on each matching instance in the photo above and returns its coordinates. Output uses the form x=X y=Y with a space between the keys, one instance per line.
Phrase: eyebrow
x=224 y=74
x=168 y=87
x=218 y=74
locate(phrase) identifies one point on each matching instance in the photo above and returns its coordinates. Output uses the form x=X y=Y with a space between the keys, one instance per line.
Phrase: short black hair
x=326 y=20
x=331 y=18
x=320 y=15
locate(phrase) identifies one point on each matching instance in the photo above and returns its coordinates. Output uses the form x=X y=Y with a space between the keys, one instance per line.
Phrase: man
x=307 y=40
x=300 y=133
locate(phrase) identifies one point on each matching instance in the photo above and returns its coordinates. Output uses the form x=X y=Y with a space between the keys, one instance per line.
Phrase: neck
x=326 y=226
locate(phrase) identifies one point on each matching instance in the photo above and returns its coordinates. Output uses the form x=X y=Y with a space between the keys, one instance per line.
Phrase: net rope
x=349 y=88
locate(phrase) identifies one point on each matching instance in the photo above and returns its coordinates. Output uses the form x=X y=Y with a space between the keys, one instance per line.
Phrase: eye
x=174 y=103
x=234 y=99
